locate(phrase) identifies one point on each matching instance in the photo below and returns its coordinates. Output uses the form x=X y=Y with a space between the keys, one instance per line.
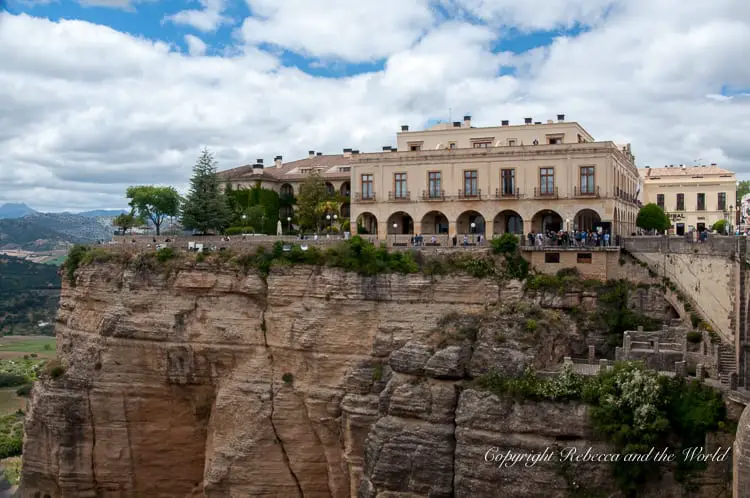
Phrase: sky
x=98 y=95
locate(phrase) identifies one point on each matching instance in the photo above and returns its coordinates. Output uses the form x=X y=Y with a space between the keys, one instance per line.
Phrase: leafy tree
x=652 y=217
x=154 y=203
x=125 y=222
x=245 y=199
x=720 y=226
x=312 y=193
x=743 y=188
x=206 y=207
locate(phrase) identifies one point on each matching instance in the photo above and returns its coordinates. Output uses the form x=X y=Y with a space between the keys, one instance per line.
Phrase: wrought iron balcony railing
x=470 y=194
x=507 y=194
x=588 y=192
x=433 y=195
x=546 y=193
x=399 y=196
x=364 y=197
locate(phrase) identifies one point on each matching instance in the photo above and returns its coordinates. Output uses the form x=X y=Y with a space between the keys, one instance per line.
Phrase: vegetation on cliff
x=632 y=407
x=29 y=293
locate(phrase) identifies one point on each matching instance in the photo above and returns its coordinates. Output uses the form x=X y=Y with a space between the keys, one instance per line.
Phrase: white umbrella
x=279 y=231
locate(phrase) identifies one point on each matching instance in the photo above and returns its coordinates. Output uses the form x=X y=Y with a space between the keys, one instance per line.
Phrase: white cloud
x=206 y=20
x=196 y=46
x=86 y=111
x=364 y=30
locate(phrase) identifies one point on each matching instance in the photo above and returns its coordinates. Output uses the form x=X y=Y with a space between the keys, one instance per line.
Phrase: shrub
x=507 y=243
x=165 y=254
x=377 y=373
x=73 y=261
x=694 y=337
x=97 y=255
x=530 y=325
x=11 y=435
x=11 y=380
x=652 y=217
x=54 y=369
x=287 y=378
x=720 y=226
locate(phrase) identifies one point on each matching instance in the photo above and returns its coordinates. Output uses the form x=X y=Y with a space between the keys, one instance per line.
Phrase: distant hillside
x=11 y=210
x=29 y=294
x=47 y=231
x=109 y=213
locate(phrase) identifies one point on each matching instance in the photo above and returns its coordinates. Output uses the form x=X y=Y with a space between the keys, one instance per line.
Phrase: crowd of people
x=576 y=238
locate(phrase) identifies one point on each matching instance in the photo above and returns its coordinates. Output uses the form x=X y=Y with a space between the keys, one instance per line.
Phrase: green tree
x=652 y=217
x=205 y=207
x=743 y=188
x=720 y=226
x=312 y=193
x=154 y=203
x=125 y=222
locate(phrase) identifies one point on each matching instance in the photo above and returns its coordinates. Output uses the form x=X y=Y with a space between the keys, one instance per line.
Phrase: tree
x=154 y=203
x=652 y=217
x=720 y=226
x=743 y=188
x=125 y=222
x=205 y=207
x=312 y=193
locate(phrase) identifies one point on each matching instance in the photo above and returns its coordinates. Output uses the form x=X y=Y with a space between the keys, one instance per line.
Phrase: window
x=481 y=145
x=547 y=181
x=722 y=201
x=433 y=181
x=345 y=169
x=511 y=142
x=680 y=202
x=451 y=145
x=551 y=257
x=701 y=202
x=399 y=186
x=508 y=181
x=554 y=140
x=470 y=183
x=584 y=257
x=415 y=148
x=367 y=191
x=587 y=180
x=660 y=201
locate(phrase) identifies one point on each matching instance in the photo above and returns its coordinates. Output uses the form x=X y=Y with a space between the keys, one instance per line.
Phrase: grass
x=28 y=344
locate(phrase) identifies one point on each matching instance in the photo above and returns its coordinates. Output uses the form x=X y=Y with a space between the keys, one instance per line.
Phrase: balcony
x=622 y=194
x=399 y=196
x=433 y=195
x=577 y=192
x=553 y=194
x=501 y=194
x=366 y=197
x=471 y=194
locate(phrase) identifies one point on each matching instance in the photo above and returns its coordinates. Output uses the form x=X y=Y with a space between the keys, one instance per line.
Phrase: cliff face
x=311 y=382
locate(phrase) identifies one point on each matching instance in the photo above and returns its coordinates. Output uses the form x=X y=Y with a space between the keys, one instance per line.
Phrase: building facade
x=693 y=197
x=456 y=179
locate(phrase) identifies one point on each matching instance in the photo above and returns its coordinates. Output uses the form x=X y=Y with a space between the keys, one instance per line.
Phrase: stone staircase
x=727 y=362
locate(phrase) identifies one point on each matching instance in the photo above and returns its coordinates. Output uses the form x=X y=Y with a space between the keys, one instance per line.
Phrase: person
x=455 y=240
x=466 y=240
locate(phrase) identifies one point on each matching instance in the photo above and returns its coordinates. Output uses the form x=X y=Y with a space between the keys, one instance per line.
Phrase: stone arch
x=368 y=222
x=400 y=223
x=434 y=222
x=586 y=220
x=507 y=221
x=286 y=190
x=346 y=189
x=465 y=219
x=330 y=189
x=546 y=220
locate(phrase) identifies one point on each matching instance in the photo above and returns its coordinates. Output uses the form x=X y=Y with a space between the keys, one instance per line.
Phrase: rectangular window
x=660 y=201
x=587 y=180
x=415 y=147
x=554 y=140
x=551 y=257
x=722 y=201
x=481 y=145
x=584 y=257
x=508 y=181
x=399 y=186
x=701 y=202
x=680 y=202
x=511 y=142
x=452 y=145
x=547 y=181
x=433 y=180
x=367 y=184
x=471 y=186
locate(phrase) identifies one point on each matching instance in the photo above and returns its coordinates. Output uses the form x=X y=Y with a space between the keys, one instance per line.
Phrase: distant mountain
x=18 y=210
x=97 y=213
x=47 y=231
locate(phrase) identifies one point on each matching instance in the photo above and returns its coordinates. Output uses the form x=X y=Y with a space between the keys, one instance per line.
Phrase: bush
x=507 y=243
x=287 y=378
x=11 y=435
x=165 y=254
x=54 y=369
x=73 y=261
x=11 y=380
x=652 y=217
x=530 y=325
x=720 y=226
x=694 y=337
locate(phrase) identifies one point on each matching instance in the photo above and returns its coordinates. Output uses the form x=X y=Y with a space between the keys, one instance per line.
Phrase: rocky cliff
x=307 y=382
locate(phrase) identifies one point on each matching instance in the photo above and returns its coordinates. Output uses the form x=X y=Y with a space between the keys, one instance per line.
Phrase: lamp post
x=289 y=223
x=473 y=228
x=728 y=228
x=244 y=217
x=335 y=218
x=328 y=217
x=395 y=226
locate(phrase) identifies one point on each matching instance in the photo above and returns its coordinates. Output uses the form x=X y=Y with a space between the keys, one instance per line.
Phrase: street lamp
x=395 y=226
x=473 y=227
x=289 y=223
x=244 y=217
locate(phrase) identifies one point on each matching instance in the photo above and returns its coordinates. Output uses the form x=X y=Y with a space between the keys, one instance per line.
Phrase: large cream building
x=694 y=197
x=458 y=179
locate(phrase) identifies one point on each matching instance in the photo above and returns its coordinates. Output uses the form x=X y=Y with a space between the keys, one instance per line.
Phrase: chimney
x=386 y=148
x=561 y=117
x=467 y=121
x=277 y=161
x=259 y=161
x=347 y=152
x=713 y=164
x=404 y=127
x=257 y=166
x=319 y=154
x=506 y=122
x=537 y=122
x=457 y=124
x=310 y=153
x=527 y=120
x=355 y=152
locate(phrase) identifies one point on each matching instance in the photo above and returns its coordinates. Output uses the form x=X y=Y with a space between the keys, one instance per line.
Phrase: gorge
x=201 y=379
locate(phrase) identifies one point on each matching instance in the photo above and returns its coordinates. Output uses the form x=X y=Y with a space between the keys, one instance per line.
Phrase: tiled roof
x=293 y=170
x=688 y=171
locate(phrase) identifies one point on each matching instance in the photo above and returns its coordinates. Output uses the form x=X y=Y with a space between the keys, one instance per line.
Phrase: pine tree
x=206 y=207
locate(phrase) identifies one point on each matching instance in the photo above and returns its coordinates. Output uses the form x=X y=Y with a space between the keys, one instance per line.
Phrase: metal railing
x=472 y=194
x=546 y=193
x=399 y=196
x=586 y=193
x=433 y=195
x=366 y=197
x=504 y=194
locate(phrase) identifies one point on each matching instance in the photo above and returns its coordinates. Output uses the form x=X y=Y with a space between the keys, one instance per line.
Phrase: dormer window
x=555 y=139
x=415 y=146
x=482 y=143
